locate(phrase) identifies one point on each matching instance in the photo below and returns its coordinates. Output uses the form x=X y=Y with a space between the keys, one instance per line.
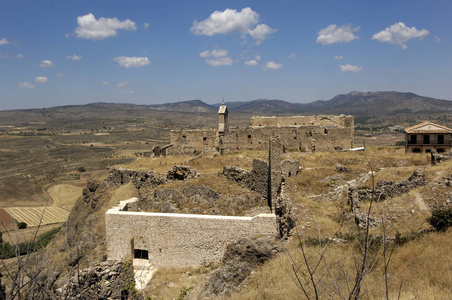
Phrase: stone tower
x=223 y=120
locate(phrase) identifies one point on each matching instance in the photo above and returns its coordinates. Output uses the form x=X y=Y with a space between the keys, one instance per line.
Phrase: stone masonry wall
x=179 y=240
x=321 y=121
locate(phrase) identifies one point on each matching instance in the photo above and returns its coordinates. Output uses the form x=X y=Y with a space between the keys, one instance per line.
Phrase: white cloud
x=257 y=57
x=271 y=65
x=261 y=32
x=334 y=34
x=74 y=57
x=350 y=68
x=122 y=84
x=399 y=34
x=59 y=75
x=25 y=85
x=337 y=57
x=146 y=25
x=437 y=39
x=226 y=22
x=4 y=41
x=6 y=55
x=105 y=83
x=132 y=62
x=96 y=30
x=231 y=21
x=251 y=63
x=292 y=56
x=217 y=57
x=41 y=79
x=46 y=64
x=213 y=53
x=222 y=61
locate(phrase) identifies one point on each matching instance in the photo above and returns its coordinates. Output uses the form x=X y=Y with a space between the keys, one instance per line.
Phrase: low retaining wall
x=179 y=240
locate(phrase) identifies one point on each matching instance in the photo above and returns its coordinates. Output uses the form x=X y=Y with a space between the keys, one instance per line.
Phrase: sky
x=69 y=52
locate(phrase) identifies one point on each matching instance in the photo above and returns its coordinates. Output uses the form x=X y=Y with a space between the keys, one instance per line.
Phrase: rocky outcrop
x=201 y=199
x=341 y=168
x=107 y=280
x=148 y=178
x=239 y=260
x=181 y=173
x=236 y=174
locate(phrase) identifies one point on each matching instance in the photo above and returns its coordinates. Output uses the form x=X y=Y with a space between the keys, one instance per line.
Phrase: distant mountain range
x=354 y=103
x=370 y=104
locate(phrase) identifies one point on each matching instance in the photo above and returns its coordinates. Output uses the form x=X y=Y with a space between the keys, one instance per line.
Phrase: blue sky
x=148 y=52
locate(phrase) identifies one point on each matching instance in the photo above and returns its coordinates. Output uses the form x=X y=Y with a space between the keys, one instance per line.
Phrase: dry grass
x=168 y=283
x=421 y=268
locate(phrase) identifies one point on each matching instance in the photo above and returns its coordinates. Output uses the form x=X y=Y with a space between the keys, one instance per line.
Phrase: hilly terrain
x=52 y=158
x=358 y=104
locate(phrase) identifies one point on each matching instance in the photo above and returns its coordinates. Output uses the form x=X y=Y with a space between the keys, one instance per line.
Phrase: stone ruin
x=383 y=190
x=297 y=133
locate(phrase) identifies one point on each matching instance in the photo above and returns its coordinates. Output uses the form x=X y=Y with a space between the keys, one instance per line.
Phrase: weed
x=441 y=219
x=183 y=292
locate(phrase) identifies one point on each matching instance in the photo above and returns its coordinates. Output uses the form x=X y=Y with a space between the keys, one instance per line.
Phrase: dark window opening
x=428 y=150
x=412 y=139
x=140 y=254
x=325 y=131
x=416 y=150
x=441 y=139
x=124 y=294
x=426 y=139
x=440 y=150
x=204 y=138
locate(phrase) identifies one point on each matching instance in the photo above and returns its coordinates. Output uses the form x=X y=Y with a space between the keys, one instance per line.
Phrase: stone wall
x=320 y=121
x=179 y=240
x=306 y=139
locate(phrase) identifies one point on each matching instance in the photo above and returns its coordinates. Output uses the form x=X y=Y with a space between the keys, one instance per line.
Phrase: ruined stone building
x=427 y=137
x=301 y=133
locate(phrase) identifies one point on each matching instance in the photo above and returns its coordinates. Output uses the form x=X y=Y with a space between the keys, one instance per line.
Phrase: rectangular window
x=412 y=139
x=441 y=139
x=426 y=139
x=141 y=254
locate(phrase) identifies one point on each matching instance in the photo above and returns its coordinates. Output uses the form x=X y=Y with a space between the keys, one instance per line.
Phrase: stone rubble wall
x=179 y=240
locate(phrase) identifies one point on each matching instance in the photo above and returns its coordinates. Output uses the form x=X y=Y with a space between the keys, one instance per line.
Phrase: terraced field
x=35 y=216
x=64 y=195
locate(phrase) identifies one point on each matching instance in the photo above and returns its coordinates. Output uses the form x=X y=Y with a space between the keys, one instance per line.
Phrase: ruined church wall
x=308 y=138
x=320 y=121
x=189 y=141
x=303 y=133
x=180 y=240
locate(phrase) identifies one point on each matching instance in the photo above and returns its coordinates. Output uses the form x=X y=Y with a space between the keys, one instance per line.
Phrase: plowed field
x=64 y=195
x=34 y=216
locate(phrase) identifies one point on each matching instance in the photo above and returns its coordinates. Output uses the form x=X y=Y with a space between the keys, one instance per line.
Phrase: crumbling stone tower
x=223 y=126
x=223 y=120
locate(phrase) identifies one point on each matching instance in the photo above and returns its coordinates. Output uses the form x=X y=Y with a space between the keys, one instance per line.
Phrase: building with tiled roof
x=427 y=137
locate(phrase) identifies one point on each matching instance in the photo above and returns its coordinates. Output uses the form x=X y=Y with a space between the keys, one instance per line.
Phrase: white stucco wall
x=180 y=240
